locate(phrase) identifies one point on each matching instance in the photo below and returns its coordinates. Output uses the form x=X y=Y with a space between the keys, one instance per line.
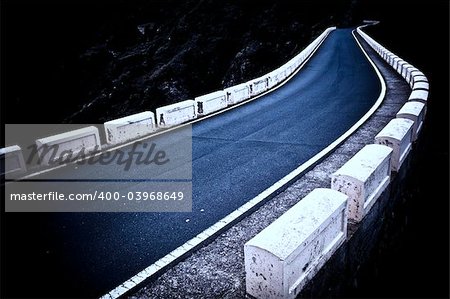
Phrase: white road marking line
x=235 y=215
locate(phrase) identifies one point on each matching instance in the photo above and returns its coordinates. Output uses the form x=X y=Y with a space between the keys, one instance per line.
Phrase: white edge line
x=230 y=218
x=160 y=131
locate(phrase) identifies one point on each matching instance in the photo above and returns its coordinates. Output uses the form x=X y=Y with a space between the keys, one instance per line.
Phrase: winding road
x=235 y=156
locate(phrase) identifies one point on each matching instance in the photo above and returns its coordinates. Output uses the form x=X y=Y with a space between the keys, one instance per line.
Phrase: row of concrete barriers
x=282 y=258
x=133 y=127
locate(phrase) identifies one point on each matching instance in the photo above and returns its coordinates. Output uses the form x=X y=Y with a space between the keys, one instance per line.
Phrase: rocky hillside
x=103 y=60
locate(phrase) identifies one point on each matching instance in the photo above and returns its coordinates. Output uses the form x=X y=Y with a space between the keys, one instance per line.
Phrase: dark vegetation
x=91 y=61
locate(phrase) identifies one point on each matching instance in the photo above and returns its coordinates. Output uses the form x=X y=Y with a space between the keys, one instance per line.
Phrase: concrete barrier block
x=363 y=178
x=401 y=64
x=130 y=127
x=414 y=111
x=236 y=94
x=416 y=78
x=261 y=84
x=410 y=73
x=175 y=114
x=421 y=85
x=277 y=77
x=388 y=57
x=211 y=102
x=281 y=74
x=395 y=62
x=272 y=81
x=289 y=252
x=308 y=50
x=407 y=68
x=391 y=58
x=397 y=134
x=12 y=162
x=419 y=77
x=288 y=70
x=419 y=96
x=68 y=145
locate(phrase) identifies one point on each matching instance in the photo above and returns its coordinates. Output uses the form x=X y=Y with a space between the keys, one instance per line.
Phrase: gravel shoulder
x=217 y=270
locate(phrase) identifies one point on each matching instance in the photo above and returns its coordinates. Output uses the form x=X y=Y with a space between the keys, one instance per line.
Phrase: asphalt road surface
x=235 y=156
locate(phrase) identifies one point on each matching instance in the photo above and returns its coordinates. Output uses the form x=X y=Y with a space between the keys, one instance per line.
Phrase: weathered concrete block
x=261 y=84
x=290 y=69
x=392 y=59
x=308 y=50
x=12 y=161
x=274 y=80
x=211 y=102
x=397 y=134
x=400 y=66
x=414 y=111
x=175 y=114
x=419 y=96
x=407 y=69
x=421 y=85
x=281 y=73
x=419 y=77
x=289 y=252
x=236 y=94
x=130 y=127
x=363 y=178
x=66 y=146
x=411 y=72
x=395 y=61
x=389 y=56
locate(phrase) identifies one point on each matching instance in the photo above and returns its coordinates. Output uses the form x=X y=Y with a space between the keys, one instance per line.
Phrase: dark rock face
x=100 y=61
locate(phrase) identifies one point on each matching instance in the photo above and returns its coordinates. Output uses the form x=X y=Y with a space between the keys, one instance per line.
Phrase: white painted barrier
x=363 y=178
x=68 y=145
x=281 y=74
x=392 y=59
x=407 y=69
x=410 y=73
x=389 y=56
x=130 y=127
x=414 y=111
x=12 y=161
x=211 y=102
x=260 y=85
x=419 y=96
x=236 y=94
x=397 y=134
x=274 y=78
x=175 y=114
x=421 y=85
x=289 y=252
x=395 y=62
x=419 y=77
x=400 y=132
x=401 y=65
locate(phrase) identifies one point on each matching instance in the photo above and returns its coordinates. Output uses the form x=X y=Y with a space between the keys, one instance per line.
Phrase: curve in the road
x=236 y=155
